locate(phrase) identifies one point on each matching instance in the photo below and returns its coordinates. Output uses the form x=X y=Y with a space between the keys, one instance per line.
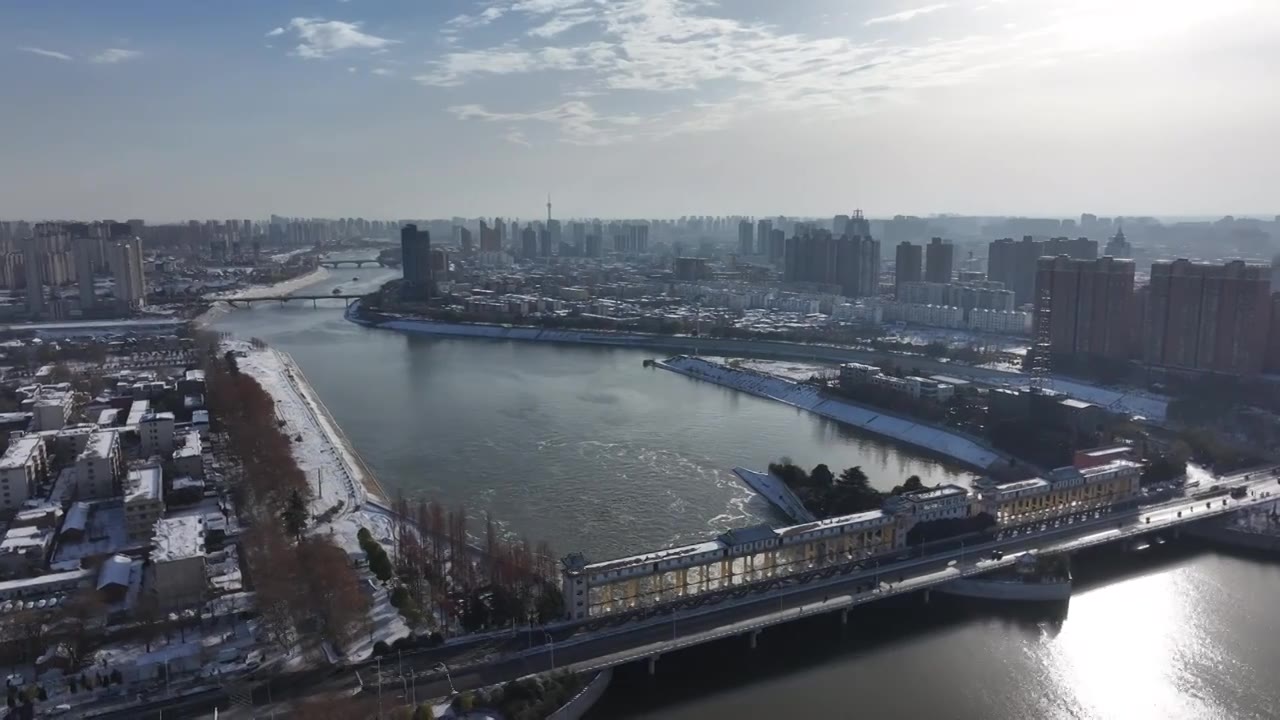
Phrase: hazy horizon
x=640 y=108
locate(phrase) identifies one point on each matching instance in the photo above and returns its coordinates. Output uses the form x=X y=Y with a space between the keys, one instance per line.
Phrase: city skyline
x=649 y=109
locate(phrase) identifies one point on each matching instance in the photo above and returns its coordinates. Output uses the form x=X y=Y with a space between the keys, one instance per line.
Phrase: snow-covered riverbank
x=281 y=288
x=807 y=397
x=333 y=468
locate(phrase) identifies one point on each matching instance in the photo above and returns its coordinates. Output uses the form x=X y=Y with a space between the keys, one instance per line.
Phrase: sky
x=173 y=109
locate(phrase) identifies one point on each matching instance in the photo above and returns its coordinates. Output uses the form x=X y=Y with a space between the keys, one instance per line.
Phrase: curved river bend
x=587 y=449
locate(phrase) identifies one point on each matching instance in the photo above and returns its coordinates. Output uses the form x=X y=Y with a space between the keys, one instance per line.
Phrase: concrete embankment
x=1227 y=535
x=582 y=702
x=773 y=489
x=808 y=397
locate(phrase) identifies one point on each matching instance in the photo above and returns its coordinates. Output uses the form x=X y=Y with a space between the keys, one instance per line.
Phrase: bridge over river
x=597 y=643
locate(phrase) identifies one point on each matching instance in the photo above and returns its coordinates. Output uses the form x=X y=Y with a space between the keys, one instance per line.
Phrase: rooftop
x=144 y=483
x=115 y=571
x=20 y=452
x=1021 y=485
x=99 y=445
x=77 y=517
x=934 y=493
x=1114 y=465
x=833 y=522
x=188 y=445
x=178 y=538
x=653 y=557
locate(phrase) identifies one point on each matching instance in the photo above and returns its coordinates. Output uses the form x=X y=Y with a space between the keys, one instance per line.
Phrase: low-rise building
x=99 y=467
x=50 y=407
x=178 y=561
x=853 y=374
x=188 y=457
x=1005 y=322
x=25 y=551
x=155 y=430
x=945 y=502
x=143 y=501
x=1067 y=490
x=23 y=467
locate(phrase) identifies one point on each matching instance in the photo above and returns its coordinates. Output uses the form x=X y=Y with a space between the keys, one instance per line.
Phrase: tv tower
x=548 y=208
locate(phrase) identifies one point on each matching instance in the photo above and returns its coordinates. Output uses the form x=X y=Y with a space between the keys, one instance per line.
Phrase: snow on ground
x=334 y=471
x=280 y=288
x=797 y=371
x=808 y=397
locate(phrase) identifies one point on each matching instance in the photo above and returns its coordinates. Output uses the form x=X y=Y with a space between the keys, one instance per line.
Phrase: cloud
x=516 y=136
x=111 y=56
x=275 y=32
x=905 y=15
x=473 y=21
x=382 y=71
x=669 y=49
x=580 y=124
x=46 y=53
x=320 y=38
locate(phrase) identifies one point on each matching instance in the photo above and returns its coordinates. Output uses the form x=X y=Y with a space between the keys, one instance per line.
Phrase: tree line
x=304 y=583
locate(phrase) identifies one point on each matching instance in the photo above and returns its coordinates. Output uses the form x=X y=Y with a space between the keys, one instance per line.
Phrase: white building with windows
x=188 y=457
x=1005 y=322
x=143 y=500
x=22 y=468
x=178 y=561
x=99 y=466
x=946 y=502
x=51 y=407
x=155 y=430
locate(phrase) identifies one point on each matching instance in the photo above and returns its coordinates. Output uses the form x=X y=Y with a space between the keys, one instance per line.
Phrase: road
x=587 y=646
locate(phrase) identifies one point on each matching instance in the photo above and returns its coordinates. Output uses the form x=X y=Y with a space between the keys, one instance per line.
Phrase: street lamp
x=552 y=642
x=445 y=668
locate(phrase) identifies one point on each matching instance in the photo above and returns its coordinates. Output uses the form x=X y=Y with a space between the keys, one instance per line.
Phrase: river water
x=585 y=448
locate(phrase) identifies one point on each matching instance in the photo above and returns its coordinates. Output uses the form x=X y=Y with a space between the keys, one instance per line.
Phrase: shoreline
x=1128 y=400
x=919 y=436
x=279 y=288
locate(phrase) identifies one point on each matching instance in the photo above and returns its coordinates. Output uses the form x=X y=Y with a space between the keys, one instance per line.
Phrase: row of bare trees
x=440 y=566
x=304 y=583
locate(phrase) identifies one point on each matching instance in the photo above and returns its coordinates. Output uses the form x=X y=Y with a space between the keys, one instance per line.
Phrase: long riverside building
x=761 y=553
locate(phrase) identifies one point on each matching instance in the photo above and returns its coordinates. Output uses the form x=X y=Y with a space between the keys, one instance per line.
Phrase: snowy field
x=332 y=468
x=809 y=398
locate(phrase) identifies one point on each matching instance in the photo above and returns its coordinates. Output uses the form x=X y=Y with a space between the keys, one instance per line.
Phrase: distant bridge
x=358 y=263
x=346 y=298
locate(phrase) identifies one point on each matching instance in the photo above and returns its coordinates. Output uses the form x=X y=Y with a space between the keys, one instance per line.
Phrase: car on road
x=997 y=554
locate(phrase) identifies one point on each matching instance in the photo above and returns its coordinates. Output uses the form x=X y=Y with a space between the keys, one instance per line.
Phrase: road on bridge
x=577 y=648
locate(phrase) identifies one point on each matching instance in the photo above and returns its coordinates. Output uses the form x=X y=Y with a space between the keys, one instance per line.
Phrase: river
x=585 y=448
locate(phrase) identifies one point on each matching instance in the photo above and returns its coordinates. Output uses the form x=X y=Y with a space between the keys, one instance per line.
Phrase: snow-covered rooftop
x=178 y=538
x=115 y=571
x=77 y=517
x=144 y=483
x=98 y=446
x=188 y=445
x=20 y=452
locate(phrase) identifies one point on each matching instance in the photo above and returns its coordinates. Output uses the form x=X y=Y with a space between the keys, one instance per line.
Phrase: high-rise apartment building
x=31 y=262
x=1118 y=246
x=858 y=226
x=528 y=242
x=777 y=245
x=1080 y=248
x=839 y=225
x=1087 y=305
x=1014 y=264
x=415 y=252
x=1202 y=316
x=763 y=228
x=127 y=274
x=744 y=238
x=491 y=237
x=939 y=261
x=817 y=256
x=578 y=237
x=907 y=264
